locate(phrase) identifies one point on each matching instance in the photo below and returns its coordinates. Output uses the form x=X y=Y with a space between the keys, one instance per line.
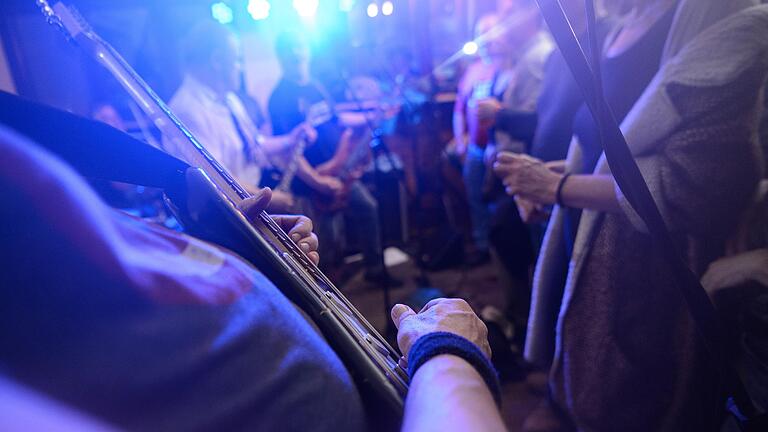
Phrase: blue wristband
x=435 y=344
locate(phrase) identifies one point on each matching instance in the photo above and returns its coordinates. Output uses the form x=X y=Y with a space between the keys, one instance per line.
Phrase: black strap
x=629 y=179
x=93 y=148
x=246 y=143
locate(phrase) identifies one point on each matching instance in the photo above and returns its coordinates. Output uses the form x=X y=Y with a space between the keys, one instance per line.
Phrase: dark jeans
x=474 y=178
x=511 y=239
x=362 y=215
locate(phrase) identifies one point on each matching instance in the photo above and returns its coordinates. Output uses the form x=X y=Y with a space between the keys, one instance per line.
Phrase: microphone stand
x=422 y=280
x=378 y=147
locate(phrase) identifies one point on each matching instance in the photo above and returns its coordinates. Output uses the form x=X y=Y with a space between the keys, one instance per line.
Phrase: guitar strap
x=629 y=179
x=246 y=144
x=252 y=150
x=93 y=148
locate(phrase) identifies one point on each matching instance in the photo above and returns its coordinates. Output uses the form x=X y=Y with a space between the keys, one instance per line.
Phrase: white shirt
x=211 y=119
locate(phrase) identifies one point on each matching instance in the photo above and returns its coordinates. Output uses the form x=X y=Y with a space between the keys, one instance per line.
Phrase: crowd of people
x=602 y=314
x=147 y=328
x=302 y=116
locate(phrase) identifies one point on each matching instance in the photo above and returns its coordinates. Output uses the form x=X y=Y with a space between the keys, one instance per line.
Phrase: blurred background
x=352 y=37
x=415 y=51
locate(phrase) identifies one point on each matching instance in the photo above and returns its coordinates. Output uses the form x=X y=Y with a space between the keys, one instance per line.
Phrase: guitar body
x=347 y=165
x=334 y=203
x=208 y=214
x=206 y=201
x=330 y=204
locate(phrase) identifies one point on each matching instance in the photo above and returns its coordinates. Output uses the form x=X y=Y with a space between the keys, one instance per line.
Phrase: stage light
x=373 y=10
x=259 y=9
x=470 y=48
x=387 y=8
x=222 y=13
x=306 y=8
x=346 y=5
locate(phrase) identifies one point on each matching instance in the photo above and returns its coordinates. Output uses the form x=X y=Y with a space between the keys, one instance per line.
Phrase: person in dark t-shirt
x=289 y=104
x=296 y=98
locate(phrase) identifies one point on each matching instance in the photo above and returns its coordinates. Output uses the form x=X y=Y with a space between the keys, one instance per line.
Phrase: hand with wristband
x=453 y=384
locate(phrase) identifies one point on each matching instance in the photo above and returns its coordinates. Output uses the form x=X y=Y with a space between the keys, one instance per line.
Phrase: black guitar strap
x=93 y=148
x=629 y=179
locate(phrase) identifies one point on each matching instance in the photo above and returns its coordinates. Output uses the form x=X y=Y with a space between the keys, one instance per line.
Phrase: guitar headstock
x=67 y=19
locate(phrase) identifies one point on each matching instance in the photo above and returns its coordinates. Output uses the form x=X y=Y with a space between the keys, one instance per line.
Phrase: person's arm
x=324 y=184
x=273 y=145
x=459 y=130
x=448 y=394
x=558 y=165
x=352 y=119
x=591 y=191
x=344 y=150
x=533 y=180
x=447 y=391
x=278 y=144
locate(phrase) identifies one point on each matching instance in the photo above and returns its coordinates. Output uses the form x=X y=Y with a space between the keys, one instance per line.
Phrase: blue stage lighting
x=346 y=5
x=470 y=48
x=306 y=8
x=373 y=10
x=259 y=9
x=387 y=8
x=222 y=13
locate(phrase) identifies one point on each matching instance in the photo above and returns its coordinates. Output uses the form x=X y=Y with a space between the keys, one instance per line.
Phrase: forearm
x=276 y=144
x=332 y=167
x=448 y=394
x=593 y=192
x=307 y=174
x=353 y=119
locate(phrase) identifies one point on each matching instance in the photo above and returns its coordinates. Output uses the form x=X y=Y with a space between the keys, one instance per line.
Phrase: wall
x=262 y=71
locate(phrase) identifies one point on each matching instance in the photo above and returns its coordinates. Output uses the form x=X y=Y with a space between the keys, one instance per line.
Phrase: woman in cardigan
x=627 y=355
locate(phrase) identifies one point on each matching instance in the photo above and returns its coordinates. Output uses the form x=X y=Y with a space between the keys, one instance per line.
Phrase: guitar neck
x=170 y=126
x=355 y=338
x=292 y=168
x=155 y=109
